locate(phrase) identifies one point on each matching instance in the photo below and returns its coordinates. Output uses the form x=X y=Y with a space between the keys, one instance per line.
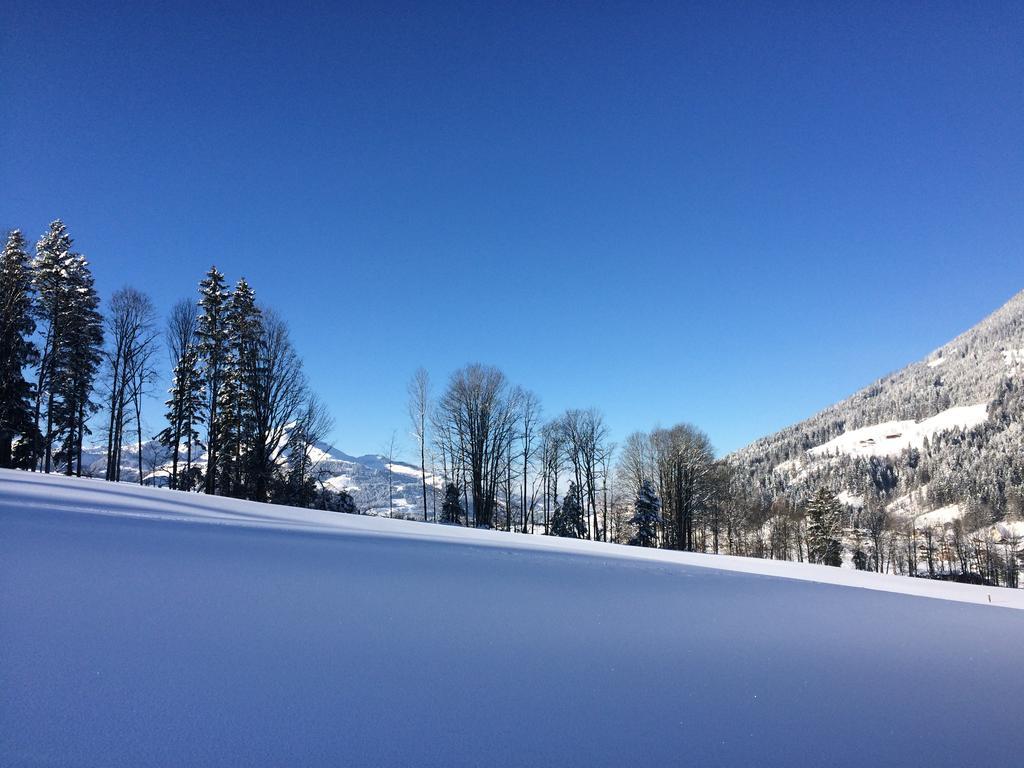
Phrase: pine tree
x=568 y=520
x=212 y=333
x=78 y=363
x=646 y=517
x=236 y=434
x=300 y=486
x=68 y=309
x=184 y=414
x=451 y=509
x=50 y=270
x=825 y=528
x=17 y=352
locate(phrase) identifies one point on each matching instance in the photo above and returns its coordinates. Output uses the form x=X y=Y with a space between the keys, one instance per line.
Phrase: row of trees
x=500 y=465
x=484 y=441
x=51 y=326
x=239 y=403
x=241 y=421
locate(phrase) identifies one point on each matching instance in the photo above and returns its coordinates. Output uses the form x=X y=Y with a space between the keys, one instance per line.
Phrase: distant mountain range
x=937 y=440
x=365 y=477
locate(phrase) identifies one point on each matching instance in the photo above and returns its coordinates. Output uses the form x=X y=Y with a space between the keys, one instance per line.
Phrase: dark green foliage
x=213 y=348
x=451 y=509
x=68 y=311
x=568 y=521
x=17 y=353
x=184 y=414
x=646 y=516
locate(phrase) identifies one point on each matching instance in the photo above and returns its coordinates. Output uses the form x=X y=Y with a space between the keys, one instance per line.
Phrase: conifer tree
x=77 y=363
x=646 y=516
x=17 y=352
x=825 y=528
x=236 y=435
x=568 y=519
x=451 y=509
x=184 y=414
x=50 y=269
x=68 y=310
x=212 y=334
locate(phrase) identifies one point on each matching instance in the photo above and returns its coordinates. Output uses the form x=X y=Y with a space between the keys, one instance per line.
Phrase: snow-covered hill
x=931 y=442
x=143 y=626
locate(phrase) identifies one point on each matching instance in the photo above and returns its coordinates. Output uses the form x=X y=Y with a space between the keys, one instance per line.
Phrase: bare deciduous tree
x=132 y=341
x=419 y=406
x=478 y=413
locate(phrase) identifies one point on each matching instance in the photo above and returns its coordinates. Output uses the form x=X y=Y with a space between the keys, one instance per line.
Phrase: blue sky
x=729 y=214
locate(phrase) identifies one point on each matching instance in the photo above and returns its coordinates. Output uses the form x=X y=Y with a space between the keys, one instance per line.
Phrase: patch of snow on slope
x=936 y=362
x=892 y=437
x=939 y=517
x=850 y=499
x=1013 y=357
x=793 y=466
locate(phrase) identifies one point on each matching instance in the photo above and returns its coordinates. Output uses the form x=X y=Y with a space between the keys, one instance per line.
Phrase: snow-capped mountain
x=376 y=491
x=941 y=438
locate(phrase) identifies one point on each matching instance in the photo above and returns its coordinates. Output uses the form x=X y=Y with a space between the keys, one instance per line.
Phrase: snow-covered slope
x=151 y=627
x=942 y=432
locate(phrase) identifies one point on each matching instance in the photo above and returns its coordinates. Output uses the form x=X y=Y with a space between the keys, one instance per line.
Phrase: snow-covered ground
x=151 y=627
x=892 y=437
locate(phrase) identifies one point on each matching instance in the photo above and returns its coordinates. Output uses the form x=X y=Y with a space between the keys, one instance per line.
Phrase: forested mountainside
x=941 y=434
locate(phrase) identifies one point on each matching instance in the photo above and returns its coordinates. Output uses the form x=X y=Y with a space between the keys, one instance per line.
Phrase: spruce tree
x=451 y=509
x=17 y=352
x=68 y=310
x=825 y=528
x=212 y=334
x=568 y=520
x=300 y=486
x=184 y=414
x=78 y=362
x=236 y=436
x=646 y=516
x=50 y=269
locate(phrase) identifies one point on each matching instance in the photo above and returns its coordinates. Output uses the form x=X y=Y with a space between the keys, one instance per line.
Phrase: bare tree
x=180 y=332
x=552 y=444
x=391 y=476
x=419 y=404
x=278 y=393
x=180 y=338
x=585 y=434
x=311 y=428
x=132 y=340
x=478 y=412
x=529 y=420
x=684 y=461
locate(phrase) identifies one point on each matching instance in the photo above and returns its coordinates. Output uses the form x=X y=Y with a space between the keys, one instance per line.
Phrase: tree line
x=493 y=461
x=241 y=416
x=242 y=421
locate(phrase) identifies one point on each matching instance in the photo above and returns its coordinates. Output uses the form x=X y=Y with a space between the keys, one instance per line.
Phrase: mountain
x=365 y=477
x=940 y=439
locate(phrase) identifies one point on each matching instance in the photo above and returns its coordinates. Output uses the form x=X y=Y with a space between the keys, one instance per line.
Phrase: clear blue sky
x=730 y=214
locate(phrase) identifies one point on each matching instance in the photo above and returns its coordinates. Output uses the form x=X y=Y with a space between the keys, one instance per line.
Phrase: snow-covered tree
x=825 y=528
x=17 y=353
x=213 y=348
x=67 y=309
x=184 y=414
